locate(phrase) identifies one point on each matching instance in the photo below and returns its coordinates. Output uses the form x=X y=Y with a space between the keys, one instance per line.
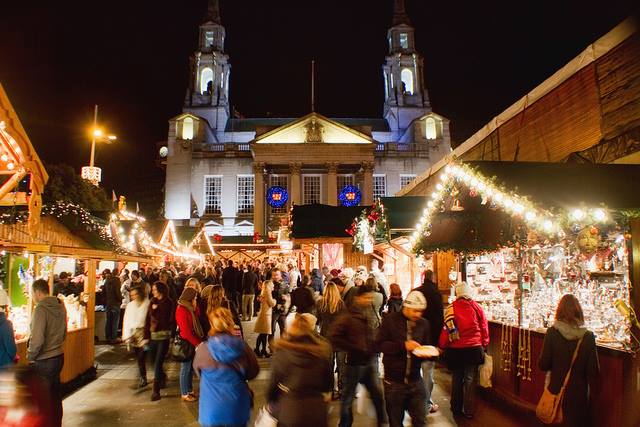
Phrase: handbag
x=265 y=419
x=181 y=349
x=486 y=370
x=549 y=409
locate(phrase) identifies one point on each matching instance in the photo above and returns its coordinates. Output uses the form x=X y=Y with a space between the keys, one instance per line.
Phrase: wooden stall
x=520 y=259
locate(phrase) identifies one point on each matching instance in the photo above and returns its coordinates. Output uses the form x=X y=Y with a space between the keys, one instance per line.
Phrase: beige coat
x=263 y=323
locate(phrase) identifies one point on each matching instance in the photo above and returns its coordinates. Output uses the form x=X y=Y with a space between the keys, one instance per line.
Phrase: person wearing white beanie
x=464 y=338
x=399 y=335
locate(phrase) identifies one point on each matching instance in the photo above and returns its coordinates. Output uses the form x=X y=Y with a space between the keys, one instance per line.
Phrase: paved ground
x=112 y=400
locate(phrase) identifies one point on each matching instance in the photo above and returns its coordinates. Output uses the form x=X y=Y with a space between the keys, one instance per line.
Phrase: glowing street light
x=92 y=173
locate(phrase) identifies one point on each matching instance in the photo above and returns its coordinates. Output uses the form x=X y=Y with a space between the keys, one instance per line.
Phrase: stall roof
x=403 y=213
x=568 y=185
x=318 y=220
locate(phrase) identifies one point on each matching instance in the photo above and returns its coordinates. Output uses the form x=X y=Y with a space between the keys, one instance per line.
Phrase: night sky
x=131 y=58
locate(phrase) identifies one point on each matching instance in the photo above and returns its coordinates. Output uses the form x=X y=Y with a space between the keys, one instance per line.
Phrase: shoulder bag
x=549 y=409
x=181 y=349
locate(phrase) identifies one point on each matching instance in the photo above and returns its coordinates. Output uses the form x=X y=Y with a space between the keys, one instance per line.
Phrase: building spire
x=213 y=12
x=400 y=13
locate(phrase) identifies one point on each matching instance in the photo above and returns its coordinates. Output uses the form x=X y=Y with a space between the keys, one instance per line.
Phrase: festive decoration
x=350 y=195
x=370 y=227
x=217 y=238
x=587 y=241
x=277 y=196
x=257 y=238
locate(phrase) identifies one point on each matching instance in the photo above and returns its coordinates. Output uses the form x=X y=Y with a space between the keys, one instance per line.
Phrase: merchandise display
x=522 y=286
x=76 y=312
x=19 y=317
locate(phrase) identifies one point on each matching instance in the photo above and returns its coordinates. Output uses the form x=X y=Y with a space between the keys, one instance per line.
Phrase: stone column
x=332 y=183
x=295 y=192
x=259 y=201
x=367 y=185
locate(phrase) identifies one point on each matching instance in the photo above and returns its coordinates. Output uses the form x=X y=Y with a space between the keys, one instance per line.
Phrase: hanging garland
x=277 y=196
x=350 y=195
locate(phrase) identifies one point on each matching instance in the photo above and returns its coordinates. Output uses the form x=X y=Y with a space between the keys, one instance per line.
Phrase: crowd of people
x=334 y=328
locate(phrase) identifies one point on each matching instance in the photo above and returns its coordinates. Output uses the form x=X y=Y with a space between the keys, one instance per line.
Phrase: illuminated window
x=405 y=180
x=404 y=40
x=344 y=180
x=392 y=81
x=379 y=186
x=430 y=128
x=246 y=193
x=222 y=80
x=386 y=85
x=407 y=79
x=205 y=77
x=280 y=181
x=311 y=186
x=212 y=194
x=208 y=39
x=187 y=128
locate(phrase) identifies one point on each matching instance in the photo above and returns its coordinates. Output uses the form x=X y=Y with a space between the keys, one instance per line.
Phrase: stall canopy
x=403 y=213
x=568 y=185
x=311 y=221
x=466 y=221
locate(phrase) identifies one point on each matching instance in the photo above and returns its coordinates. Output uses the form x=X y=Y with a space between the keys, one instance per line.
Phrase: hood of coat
x=569 y=332
x=53 y=307
x=315 y=273
x=304 y=350
x=226 y=348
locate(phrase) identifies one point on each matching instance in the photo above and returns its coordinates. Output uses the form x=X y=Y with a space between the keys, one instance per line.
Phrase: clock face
x=164 y=151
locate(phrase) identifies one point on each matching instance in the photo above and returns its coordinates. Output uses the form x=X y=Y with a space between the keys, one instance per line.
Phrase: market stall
x=322 y=234
x=567 y=229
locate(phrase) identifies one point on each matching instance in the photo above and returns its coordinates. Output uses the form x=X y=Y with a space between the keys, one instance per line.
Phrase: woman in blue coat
x=7 y=339
x=224 y=364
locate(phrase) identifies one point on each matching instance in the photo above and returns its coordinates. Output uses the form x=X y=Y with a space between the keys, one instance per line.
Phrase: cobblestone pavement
x=112 y=400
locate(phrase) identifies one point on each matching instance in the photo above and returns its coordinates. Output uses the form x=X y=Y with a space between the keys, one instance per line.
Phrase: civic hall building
x=220 y=169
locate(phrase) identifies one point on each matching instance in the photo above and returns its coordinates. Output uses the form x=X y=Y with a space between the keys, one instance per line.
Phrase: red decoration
x=257 y=238
x=594 y=230
x=473 y=192
x=217 y=238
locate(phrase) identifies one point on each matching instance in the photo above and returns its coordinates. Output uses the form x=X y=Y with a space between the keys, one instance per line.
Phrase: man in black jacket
x=111 y=289
x=435 y=315
x=249 y=286
x=353 y=333
x=398 y=336
x=229 y=282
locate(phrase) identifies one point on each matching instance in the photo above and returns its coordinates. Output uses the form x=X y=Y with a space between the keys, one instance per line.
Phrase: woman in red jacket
x=465 y=337
x=191 y=331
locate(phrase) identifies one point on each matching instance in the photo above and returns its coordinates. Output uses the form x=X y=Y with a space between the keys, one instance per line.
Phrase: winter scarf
x=450 y=324
x=185 y=300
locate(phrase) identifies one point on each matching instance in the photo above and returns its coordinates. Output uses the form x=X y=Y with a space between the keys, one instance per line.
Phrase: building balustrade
x=229 y=149
x=398 y=149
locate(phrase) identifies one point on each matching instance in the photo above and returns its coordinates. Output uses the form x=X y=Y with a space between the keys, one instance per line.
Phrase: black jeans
x=463 y=389
x=367 y=375
x=279 y=320
x=49 y=370
x=159 y=350
x=402 y=397
x=141 y=357
x=111 y=325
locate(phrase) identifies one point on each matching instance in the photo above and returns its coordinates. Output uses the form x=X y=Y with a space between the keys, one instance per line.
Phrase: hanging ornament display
x=277 y=196
x=457 y=206
x=587 y=241
x=350 y=195
x=473 y=192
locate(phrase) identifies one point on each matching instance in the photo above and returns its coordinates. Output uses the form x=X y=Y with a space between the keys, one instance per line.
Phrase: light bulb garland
x=456 y=175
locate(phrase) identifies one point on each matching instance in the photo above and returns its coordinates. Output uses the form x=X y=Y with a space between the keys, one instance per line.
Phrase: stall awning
x=403 y=213
x=311 y=221
x=568 y=185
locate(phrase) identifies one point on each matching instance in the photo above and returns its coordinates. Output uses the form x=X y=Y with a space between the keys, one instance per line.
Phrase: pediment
x=185 y=115
x=314 y=129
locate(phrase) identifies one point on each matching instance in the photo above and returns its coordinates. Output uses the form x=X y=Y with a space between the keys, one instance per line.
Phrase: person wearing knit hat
x=464 y=338
x=398 y=336
x=190 y=330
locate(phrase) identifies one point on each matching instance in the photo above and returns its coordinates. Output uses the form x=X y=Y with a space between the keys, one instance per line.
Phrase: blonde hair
x=221 y=321
x=190 y=284
x=331 y=301
x=265 y=288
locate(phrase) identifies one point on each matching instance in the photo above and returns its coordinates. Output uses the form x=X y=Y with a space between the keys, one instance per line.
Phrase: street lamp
x=92 y=173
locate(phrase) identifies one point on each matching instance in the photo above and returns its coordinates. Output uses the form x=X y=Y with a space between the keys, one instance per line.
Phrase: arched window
x=431 y=131
x=187 y=128
x=205 y=77
x=407 y=78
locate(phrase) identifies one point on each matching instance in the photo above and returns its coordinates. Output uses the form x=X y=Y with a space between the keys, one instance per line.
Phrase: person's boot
x=163 y=381
x=266 y=354
x=155 y=395
x=257 y=352
x=142 y=383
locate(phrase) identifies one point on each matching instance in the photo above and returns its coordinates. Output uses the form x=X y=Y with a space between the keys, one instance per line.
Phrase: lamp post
x=92 y=173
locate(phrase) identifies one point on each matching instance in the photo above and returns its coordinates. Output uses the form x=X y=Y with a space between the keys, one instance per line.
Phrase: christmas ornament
x=277 y=196
x=350 y=195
